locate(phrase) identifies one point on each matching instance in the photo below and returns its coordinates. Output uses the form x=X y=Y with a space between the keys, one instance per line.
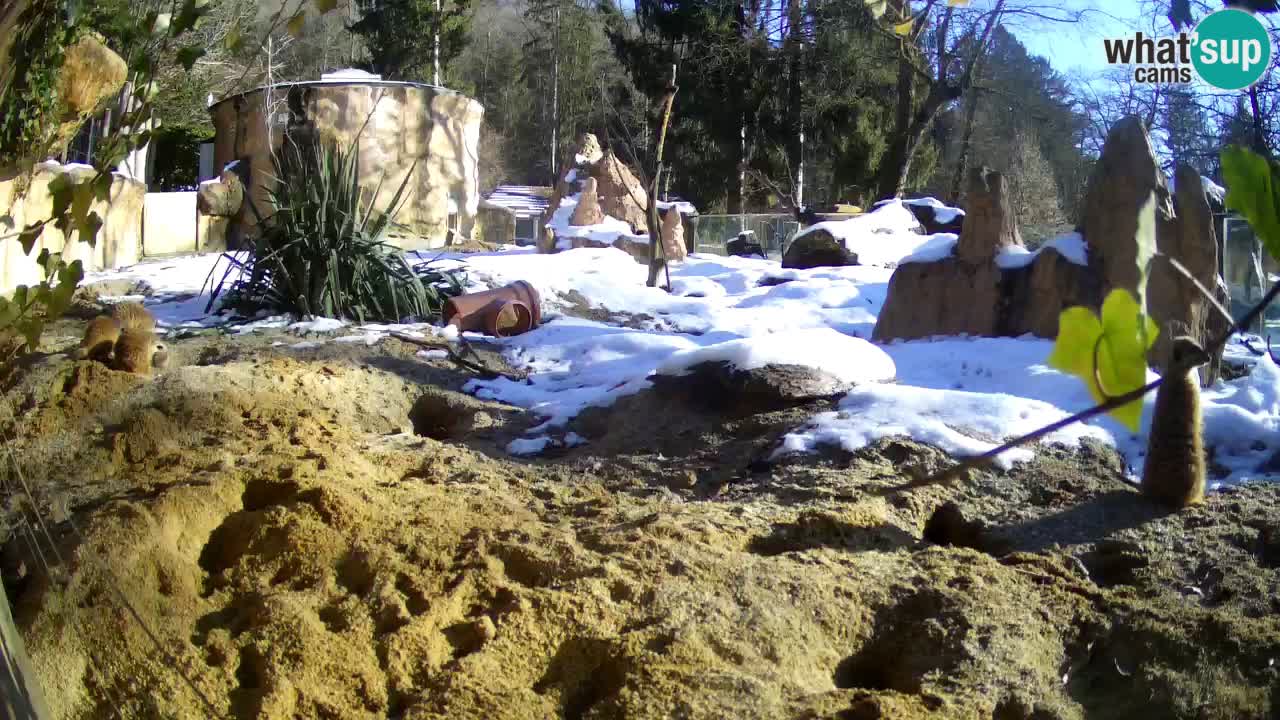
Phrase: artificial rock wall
x=394 y=125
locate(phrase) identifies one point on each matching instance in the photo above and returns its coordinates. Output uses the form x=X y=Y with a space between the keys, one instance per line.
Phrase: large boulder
x=673 y=245
x=936 y=218
x=744 y=245
x=946 y=297
x=817 y=248
x=222 y=197
x=588 y=210
x=1124 y=177
x=960 y=294
x=1174 y=302
x=621 y=194
x=990 y=226
x=723 y=386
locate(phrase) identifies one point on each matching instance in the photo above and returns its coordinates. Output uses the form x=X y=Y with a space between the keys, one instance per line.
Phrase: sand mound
x=330 y=537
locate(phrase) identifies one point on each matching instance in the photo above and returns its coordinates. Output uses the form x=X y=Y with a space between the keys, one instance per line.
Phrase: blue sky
x=1078 y=47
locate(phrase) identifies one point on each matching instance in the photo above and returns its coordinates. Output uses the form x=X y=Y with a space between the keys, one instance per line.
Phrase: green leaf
x=31 y=330
x=89 y=227
x=325 y=6
x=1252 y=191
x=188 y=56
x=296 y=23
x=102 y=186
x=233 y=41
x=877 y=8
x=61 y=189
x=1145 y=239
x=29 y=236
x=1112 y=350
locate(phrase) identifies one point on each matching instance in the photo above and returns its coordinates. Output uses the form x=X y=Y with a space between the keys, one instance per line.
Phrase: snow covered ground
x=960 y=394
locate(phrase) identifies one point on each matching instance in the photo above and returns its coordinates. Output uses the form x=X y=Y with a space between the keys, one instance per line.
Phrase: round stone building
x=393 y=123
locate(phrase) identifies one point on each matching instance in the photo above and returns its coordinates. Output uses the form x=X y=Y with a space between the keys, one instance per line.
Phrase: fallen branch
x=475 y=366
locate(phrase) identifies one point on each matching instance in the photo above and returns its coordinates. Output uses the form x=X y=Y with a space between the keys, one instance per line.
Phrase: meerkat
x=99 y=339
x=138 y=352
x=1174 y=473
x=133 y=316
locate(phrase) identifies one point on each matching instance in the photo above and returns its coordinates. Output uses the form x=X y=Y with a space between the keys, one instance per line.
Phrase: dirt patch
x=333 y=533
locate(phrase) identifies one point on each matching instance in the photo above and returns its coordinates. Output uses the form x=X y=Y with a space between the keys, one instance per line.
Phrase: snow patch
x=938 y=247
x=942 y=212
x=882 y=237
x=850 y=360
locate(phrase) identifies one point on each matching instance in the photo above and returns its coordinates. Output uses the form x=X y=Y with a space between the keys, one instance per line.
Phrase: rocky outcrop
x=1125 y=176
x=960 y=294
x=932 y=217
x=222 y=198
x=817 y=248
x=637 y=249
x=621 y=194
x=990 y=225
x=607 y=188
x=673 y=246
x=588 y=210
x=722 y=386
x=972 y=293
x=1173 y=300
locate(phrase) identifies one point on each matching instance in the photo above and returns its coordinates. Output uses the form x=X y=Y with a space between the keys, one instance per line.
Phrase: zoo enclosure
x=773 y=231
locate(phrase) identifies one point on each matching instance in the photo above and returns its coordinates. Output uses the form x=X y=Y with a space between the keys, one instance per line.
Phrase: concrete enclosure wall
x=394 y=126
x=169 y=224
x=26 y=200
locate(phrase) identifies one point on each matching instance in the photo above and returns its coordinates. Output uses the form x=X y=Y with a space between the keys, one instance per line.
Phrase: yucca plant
x=321 y=249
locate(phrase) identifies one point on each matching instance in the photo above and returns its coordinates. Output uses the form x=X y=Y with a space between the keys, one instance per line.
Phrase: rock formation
x=673 y=245
x=817 y=248
x=615 y=192
x=931 y=223
x=721 y=386
x=958 y=294
x=588 y=211
x=971 y=292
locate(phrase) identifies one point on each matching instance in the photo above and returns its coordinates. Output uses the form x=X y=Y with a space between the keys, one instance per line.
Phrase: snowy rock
x=588 y=210
x=721 y=386
x=744 y=246
x=990 y=226
x=673 y=245
x=818 y=248
x=935 y=216
x=621 y=194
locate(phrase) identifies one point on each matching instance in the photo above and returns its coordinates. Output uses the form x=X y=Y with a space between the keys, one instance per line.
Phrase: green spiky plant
x=321 y=250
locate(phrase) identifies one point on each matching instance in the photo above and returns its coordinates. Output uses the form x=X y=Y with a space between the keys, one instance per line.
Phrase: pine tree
x=409 y=39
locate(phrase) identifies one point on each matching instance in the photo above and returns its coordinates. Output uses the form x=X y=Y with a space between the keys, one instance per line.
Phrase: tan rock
x=223 y=198
x=990 y=224
x=1125 y=176
x=1034 y=297
x=1172 y=300
x=946 y=297
x=636 y=249
x=621 y=194
x=673 y=245
x=817 y=248
x=589 y=150
x=588 y=211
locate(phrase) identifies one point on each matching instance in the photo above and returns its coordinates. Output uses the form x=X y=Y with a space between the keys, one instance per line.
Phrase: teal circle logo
x=1232 y=49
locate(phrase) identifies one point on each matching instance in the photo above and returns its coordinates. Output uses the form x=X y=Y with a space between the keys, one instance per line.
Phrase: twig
x=475 y=366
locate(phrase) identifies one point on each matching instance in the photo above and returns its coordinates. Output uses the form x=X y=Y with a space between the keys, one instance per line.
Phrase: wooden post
x=20 y=694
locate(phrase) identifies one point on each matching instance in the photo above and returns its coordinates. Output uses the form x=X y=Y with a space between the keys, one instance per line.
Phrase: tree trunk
x=657 y=256
x=896 y=161
x=795 y=115
x=966 y=144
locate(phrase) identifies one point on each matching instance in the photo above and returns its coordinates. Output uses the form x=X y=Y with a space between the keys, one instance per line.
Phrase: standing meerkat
x=99 y=339
x=133 y=316
x=1174 y=473
x=138 y=352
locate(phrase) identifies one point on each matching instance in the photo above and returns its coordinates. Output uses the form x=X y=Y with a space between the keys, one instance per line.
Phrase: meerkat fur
x=1174 y=473
x=136 y=351
x=99 y=339
x=133 y=316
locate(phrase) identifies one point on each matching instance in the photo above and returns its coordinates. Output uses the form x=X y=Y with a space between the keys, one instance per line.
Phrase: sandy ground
x=336 y=533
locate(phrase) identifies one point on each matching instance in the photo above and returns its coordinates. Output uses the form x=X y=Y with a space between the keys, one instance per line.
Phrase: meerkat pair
x=125 y=340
